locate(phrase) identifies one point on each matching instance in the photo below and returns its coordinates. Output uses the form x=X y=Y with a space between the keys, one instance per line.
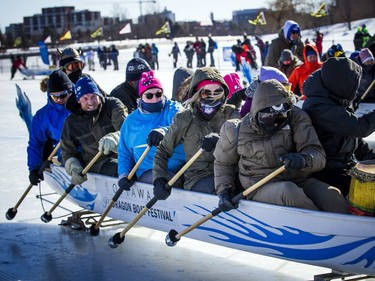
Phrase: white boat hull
x=343 y=243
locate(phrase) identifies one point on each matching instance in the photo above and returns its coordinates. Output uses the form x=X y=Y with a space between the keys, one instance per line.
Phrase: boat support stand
x=338 y=275
x=79 y=220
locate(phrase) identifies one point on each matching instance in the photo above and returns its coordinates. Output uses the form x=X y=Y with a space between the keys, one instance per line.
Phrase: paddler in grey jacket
x=274 y=133
x=205 y=114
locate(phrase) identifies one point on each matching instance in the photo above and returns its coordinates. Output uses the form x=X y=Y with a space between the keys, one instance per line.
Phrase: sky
x=13 y=11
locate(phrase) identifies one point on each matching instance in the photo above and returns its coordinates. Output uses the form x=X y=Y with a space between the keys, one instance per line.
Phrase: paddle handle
x=138 y=217
x=154 y=199
x=185 y=167
x=92 y=162
x=235 y=200
x=45 y=164
x=71 y=186
x=368 y=90
x=263 y=181
x=119 y=191
x=132 y=172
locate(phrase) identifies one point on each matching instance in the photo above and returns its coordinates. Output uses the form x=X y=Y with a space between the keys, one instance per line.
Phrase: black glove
x=209 y=142
x=225 y=203
x=295 y=161
x=34 y=177
x=125 y=184
x=356 y=102
x=154 y=138
x=161 y=192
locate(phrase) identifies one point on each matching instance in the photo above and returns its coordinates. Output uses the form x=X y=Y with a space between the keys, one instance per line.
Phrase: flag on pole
x=17 y=42
x=164 y=29
x=260 y=19
x=66 y=36
x=208 y=22
x=97 y=33
x=126 y=29
x=43 y=52
x=321 y=12
x=48 y=40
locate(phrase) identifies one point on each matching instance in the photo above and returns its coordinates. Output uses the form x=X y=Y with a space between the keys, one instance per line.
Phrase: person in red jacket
x=299 y=75
x=16 y=64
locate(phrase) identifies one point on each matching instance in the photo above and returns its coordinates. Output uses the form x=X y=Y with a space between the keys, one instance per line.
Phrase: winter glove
x=295 y=161
x=74 y=169
x=155 y=137
x=356 y=102
x=77 y=177
x=225 y=203
x=161 y=191
x=209 y=142
x=109 y=143
x=34 y=177
x=125 y=183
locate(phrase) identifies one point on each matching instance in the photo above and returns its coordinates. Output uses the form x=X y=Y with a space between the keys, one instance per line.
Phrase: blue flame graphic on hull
x=282 y=242
x=78 y=193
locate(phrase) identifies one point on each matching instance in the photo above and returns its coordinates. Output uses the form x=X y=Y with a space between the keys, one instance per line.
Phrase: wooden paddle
x=11 y=213
x=367 y=90
x=47 y=217
x=173 y=236
x=94 y=229
x=119 y=237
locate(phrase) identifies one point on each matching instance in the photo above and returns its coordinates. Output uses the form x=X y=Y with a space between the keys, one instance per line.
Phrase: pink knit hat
x=234 y=83
x=148 y=81
x=365 y=55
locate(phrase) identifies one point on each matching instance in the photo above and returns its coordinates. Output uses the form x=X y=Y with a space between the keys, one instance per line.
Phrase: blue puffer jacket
x=133 y=140
x=47 y=123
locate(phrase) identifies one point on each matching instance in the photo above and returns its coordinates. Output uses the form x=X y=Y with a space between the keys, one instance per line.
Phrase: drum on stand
x=362 y=189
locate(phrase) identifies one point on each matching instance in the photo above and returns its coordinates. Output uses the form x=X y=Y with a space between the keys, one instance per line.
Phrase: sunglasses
x=61 y=96
x=271 y=119
x=74 y=66
x=206 y=93
x=150 y=96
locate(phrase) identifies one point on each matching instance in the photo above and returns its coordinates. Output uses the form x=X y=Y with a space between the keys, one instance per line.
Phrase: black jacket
x=127 y=94
x=328 y=105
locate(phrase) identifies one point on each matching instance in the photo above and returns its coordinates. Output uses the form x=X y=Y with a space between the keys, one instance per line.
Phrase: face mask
x=208 y=109
x=75 y=75
x=151 y=107
x=273 y=119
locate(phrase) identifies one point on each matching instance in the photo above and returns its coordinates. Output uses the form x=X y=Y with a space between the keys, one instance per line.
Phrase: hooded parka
x=329 y=93
x=189 y=128
x=243 y=147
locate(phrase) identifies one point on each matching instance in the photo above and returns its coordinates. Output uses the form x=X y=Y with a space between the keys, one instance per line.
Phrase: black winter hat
x=69 y=55
x=135 y=68
x=58 y=81
x=179 y=77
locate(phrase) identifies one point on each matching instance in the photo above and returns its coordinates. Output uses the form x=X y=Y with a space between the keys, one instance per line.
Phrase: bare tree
x=119 y=12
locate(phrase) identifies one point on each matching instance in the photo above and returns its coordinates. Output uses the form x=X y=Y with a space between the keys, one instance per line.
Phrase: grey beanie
x=286 y=55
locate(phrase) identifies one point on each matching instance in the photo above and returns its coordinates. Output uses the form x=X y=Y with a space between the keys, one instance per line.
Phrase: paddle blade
x=24 y=106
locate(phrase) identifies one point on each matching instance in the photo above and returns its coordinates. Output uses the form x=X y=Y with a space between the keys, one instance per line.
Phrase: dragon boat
x=343 y=243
